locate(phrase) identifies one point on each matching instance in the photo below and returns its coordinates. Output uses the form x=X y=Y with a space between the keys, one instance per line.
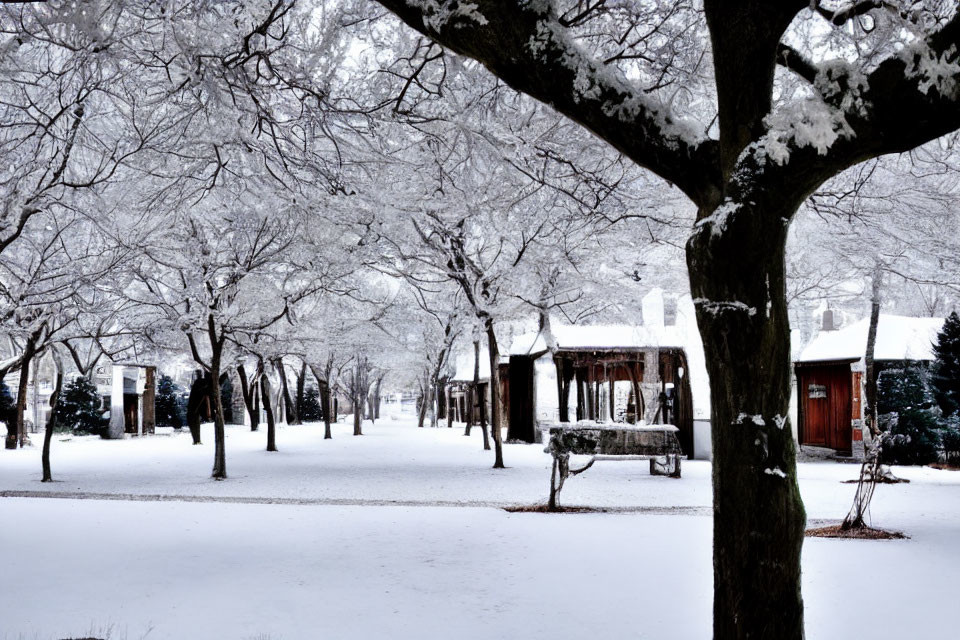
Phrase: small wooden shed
x=830 y=374
x=613 y=373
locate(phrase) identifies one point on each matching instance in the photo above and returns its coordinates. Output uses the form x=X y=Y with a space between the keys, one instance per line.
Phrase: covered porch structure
x=602 y=374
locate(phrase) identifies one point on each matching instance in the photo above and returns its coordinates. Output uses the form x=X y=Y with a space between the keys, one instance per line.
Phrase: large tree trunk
x=495 y=412
x=265 y=392
x=51 y=422
x=248 y=388
x=738 y=284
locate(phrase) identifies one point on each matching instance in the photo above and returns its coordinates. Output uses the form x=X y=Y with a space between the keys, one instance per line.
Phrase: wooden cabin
x=830 y=376
x=612 y=373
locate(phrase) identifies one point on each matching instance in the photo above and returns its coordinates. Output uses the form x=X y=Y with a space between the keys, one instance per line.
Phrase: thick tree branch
x=911 y=98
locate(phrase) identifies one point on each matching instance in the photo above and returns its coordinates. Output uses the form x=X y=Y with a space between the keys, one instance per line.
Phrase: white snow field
x=399 y=534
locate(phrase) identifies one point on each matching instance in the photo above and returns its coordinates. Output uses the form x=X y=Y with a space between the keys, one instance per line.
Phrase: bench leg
x=668 y=465
x=559 y=474
x=554 y=490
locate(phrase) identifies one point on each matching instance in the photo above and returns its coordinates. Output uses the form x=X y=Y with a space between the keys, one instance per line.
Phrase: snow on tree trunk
x=737 y=278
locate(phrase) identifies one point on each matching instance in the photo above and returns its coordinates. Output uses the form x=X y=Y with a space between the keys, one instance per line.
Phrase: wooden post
x=563 y=390
x=149 y=401
x=612 y=396
x=591 y=408
x=580 y=405
x=450 y=408
x=597 y=410
x=639 y=407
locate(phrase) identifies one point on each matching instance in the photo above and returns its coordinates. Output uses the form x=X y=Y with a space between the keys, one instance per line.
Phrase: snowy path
x=358 y=538
x=345 y=502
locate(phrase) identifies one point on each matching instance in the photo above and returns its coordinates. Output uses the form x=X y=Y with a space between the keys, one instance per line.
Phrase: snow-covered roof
x=463 y=366
x=609 y=336
x=898 y=338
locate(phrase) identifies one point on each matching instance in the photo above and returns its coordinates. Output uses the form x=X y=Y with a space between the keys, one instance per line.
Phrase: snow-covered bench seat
x=657 y=443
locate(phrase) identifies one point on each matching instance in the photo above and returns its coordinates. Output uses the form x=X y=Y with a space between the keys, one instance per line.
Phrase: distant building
x=129 y=390
x=461 y=403
x=830 y=381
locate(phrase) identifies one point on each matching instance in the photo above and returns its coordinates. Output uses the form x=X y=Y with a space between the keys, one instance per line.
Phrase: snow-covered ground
x=396 y=534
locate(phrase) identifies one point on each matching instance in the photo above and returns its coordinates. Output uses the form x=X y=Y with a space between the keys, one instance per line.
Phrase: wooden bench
x=657 y=443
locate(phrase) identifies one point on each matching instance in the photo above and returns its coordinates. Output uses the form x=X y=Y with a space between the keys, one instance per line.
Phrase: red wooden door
x=813 y=398
x=825 y=396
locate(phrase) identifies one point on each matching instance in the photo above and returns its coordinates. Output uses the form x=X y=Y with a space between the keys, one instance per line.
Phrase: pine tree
x=8 y=407
x=168 y=404
x=901 y=389
x=908 y=420
x=79 y=408
x=311 y=411
x=946 y=367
